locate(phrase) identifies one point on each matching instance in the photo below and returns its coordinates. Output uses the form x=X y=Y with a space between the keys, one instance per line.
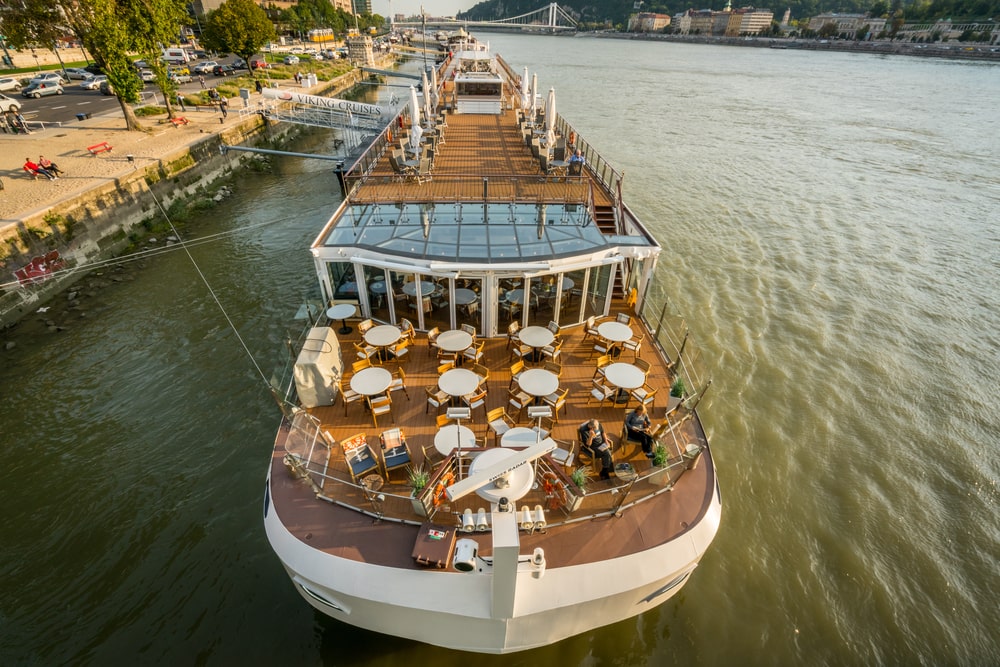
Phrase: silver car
x=8 y=104
x=52 y=78
x=77 y=73
x=10 y=83
x=41 y=89
x=93 y=82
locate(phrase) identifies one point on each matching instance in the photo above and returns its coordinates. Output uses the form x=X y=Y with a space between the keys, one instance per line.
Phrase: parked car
x=223 y=70
x=239 y=63
x=147 y=75
x=8 y=104
x=259 y=63
x=77 y=73
x=106 y=88
x=291 y=60
x=198 y=55
x=205 y=67
x=94 y=69
x=94 y=82
x=179 y=70
x=140 y=64
x=317 y=56
x=179 y=78
x=42 y=89
x=10 y=83
x=49 y=77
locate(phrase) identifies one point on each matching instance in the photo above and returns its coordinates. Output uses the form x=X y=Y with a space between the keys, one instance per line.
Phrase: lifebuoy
x=555 y=491
x=446 y=480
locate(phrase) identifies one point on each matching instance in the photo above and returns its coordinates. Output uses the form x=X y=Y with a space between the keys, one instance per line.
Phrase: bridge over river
x=549 y=19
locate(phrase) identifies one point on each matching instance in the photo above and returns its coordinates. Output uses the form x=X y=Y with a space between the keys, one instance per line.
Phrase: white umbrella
x=427 y=94
x=524 y=90
x=416 y=132
x=434 y=88
x=533 y=94
x=414 y=108
x=550 y=119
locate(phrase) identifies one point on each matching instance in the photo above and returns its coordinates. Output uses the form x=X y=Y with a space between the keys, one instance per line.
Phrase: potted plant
x=661 y=474
x=579 y=478
x=679 y=389
x=418 y=478
x=659 y=456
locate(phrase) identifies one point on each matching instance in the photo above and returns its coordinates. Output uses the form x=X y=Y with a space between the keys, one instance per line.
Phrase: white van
x=176 y=56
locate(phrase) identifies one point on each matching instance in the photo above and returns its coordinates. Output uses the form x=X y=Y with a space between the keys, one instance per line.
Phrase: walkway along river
x=838 y=219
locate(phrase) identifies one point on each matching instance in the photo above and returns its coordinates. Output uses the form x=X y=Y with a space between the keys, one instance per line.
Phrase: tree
x=238 y=26
x=111 y=30
x=156 y=24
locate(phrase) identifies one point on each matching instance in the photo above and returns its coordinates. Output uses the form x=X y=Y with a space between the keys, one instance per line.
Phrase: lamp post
x=538 y=412
x=458 y=414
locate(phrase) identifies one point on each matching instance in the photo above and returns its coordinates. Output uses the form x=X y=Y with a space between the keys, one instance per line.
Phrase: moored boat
x=489 y=293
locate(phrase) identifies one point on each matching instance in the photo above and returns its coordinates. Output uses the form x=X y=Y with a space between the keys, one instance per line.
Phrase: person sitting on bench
x=35 y=170
x=595 y=440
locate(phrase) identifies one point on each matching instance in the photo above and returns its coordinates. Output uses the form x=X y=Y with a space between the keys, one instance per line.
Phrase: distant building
x=848 y=23
x=728 y=22
x=648 y=22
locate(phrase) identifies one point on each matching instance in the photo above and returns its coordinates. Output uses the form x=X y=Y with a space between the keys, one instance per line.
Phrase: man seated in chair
x=637 y=425
x=595 y=440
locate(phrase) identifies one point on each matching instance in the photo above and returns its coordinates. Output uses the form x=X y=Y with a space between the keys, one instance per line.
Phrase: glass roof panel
x=458 y=231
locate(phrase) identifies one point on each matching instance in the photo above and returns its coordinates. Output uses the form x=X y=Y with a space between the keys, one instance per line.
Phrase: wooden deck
x=474 y=147
x=674 y=512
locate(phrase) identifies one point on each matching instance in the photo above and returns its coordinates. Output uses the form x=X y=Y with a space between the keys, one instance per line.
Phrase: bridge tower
x=553 y=9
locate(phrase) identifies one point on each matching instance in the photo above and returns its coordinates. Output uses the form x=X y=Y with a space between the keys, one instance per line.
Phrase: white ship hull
x=453 y=609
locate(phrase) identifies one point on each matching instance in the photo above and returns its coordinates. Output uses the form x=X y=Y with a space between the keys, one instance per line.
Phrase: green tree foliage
x=111 y=30
x=238 y=26
x=156 y=24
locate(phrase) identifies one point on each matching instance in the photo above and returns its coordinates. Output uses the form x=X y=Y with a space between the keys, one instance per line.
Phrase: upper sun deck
x=497 y=187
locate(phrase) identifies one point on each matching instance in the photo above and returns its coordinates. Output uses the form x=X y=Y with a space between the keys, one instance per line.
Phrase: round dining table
x=616 y=332
x=515 y=296
x=383 y=335
x=536 y=336
x=454 y=340
x=341 y=311
x=448 y=438
x=426 y=288
x=519 y=436
x=626 y=377
x=371 y=381
x=538 y=382
x=458 y=382
x=464 y=297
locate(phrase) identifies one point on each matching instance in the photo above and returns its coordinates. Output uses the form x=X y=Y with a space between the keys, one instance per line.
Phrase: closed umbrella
x=533 y=94
x=415 y=131
x=434 y=88
x=524 y=90
x=427 y=95
x=550 y=119
x=414 y=107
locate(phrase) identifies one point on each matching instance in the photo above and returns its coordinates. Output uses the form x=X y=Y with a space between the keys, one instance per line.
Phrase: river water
x=830 y=225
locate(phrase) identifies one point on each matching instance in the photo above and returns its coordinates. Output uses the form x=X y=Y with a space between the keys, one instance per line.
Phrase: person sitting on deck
x=637 y=423
x=595 y=440
x=576 y=163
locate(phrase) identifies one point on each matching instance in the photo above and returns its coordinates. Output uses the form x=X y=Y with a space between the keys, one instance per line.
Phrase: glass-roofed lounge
x=437 y=264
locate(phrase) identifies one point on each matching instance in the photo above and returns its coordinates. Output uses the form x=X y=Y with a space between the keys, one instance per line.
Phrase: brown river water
x=830 y=231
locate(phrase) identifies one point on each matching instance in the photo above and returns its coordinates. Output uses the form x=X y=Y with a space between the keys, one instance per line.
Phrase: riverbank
x=102 y=201
x=952 y=50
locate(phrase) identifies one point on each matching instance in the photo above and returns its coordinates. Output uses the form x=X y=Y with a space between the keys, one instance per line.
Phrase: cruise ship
x=487 y=294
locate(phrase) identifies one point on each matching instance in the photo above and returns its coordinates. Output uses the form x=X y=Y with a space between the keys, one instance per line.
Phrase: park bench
x=99 y=148
x=179 y=120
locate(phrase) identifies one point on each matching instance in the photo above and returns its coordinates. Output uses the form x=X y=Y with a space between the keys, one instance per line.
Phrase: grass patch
x=150 y=110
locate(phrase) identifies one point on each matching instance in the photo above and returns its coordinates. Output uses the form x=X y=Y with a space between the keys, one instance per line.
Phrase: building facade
x=728 y=22
x=648 y=22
